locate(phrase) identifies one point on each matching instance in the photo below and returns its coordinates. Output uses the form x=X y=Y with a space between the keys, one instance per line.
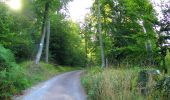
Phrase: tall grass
x=115 y=84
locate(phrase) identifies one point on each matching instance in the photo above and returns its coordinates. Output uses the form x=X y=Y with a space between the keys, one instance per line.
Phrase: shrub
x=12 y=78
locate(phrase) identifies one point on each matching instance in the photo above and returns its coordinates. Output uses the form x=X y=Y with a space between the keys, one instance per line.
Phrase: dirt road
x=66 y=86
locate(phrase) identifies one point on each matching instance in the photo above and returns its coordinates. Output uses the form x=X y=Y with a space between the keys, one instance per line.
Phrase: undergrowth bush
x=12 y=78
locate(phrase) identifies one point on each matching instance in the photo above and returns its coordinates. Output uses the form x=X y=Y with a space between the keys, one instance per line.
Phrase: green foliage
x=5 y=19
x=163 y=88
x=12 y=78
x=21 y=30
x=17 y=31
x=124 y=37
x=65 y=45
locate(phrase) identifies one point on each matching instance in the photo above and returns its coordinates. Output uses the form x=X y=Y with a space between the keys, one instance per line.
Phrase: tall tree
x=123 y=36
x=100 y=35
x=51 y=7
x=47 y=41
x=38 y=56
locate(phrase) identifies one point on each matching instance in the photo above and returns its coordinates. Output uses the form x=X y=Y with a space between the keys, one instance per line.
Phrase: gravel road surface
x=66 y=86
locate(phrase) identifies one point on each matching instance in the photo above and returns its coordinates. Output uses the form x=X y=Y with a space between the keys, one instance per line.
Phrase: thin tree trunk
x=107 y=63
x=86 y=52
x=100 y=35
x=47 y=40
x=148 y=45
x=165 y=69
x=38 y=56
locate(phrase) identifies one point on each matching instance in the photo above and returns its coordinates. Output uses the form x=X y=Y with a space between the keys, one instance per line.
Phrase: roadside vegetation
x=14 y=78
x=121 y=84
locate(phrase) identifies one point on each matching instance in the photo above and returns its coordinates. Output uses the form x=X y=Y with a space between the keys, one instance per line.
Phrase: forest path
x=66 y=86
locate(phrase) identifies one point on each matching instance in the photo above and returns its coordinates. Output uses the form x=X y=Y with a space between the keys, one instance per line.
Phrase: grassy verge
x=115 y=84
x=37 y=73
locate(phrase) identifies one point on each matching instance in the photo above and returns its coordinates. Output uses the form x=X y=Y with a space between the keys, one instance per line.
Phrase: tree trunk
x=100 y=35
x=86 y=46
x=165 y=70
x=38 y=56
x=47 y=40
x=107 y=63
x=148 y=45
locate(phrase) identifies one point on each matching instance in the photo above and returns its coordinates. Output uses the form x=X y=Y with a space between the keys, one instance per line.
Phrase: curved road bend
x=66 y=86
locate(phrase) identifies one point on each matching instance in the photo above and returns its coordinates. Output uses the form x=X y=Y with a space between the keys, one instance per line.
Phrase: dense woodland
x=130 y=35
x=117 y=34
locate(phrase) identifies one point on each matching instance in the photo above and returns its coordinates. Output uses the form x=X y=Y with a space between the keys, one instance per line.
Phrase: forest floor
x=65 y=86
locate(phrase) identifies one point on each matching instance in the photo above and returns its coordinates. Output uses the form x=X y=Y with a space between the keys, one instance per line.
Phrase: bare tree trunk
x=47 y=40
x=38 y=56
x=86 y=60
x=148 y=45
x=107 y=63
x=100 y=35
